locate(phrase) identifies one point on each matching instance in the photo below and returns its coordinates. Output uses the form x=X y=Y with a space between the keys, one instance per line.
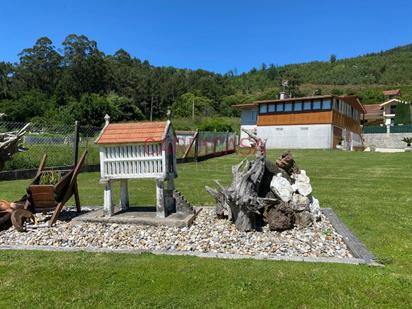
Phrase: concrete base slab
x=139 y=216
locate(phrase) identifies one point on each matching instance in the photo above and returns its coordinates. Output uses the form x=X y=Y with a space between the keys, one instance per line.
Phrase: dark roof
x=350 y=99
x=247 y=105
x=392 y=92
x=130 y=133
x=373 y=109
x=295 y=99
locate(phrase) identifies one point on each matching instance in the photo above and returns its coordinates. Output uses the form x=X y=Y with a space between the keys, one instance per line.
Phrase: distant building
x=307 y=122
x=392 y=93
x=384 y=113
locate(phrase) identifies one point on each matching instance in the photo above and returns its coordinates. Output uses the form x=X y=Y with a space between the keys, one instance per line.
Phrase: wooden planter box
x=43 y=196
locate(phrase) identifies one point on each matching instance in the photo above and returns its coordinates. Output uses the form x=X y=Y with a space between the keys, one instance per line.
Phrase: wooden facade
x=320 y=117
x=345 y=122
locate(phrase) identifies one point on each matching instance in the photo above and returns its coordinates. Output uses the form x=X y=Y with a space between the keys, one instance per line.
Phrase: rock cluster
x=262 y=192
x=297 y=206
x=207 y=235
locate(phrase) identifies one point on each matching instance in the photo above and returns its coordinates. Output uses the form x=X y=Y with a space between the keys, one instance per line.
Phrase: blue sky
x=213 y=35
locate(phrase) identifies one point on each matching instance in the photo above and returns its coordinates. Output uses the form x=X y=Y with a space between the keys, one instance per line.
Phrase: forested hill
x=83 y=83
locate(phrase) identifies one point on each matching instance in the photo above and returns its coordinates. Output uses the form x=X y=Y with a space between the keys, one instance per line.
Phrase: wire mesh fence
x=57 y=141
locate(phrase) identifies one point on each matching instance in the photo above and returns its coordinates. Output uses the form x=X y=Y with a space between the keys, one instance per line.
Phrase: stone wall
x=383 y=140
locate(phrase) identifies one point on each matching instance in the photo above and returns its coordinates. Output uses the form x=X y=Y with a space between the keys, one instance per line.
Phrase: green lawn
x=371 y=193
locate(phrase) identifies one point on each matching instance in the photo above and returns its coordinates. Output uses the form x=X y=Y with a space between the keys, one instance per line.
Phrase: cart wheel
x=19 y=217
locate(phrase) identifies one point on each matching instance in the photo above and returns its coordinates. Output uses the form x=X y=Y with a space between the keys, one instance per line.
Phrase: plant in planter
x=408 y=141
x=50 y=178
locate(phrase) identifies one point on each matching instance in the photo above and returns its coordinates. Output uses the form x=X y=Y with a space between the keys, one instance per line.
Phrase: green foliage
x=124 y=108
x=230 y=124
x=49 y=85
x=371 y=95
x=215 y=124
x=50 y=177
x=29 y=105
x=183 y=107
x=407 y=140
x=91 y=109
x=403 y=114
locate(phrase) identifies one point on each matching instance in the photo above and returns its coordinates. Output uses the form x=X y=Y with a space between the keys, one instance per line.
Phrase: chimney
x=283 y=95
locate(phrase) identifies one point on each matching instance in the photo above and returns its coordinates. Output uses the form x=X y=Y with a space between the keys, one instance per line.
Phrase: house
x=306 y=122
x=390 y=94
x=384 y=113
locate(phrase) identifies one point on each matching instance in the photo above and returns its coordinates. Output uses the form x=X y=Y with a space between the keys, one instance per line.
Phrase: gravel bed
x=207 y=234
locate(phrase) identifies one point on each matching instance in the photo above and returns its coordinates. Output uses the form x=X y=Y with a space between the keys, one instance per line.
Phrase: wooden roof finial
x=169 y=115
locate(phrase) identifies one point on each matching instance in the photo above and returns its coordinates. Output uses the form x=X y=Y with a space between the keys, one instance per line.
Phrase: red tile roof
x=130 y=133
x=373 y=109
x=392 y=92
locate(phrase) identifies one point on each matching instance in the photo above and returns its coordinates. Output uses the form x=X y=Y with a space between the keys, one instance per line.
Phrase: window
x=279 y=107
x=326 y=104
x=288 y=107
x=316 y=105
x=263 y=108
x=298 y=106
x=253 y=115
x=307 y=106
x=271 y=108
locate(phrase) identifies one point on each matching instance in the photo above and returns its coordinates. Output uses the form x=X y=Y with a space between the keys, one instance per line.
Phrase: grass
x=369 y=191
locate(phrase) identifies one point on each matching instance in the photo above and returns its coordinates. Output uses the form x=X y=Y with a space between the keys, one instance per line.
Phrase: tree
x=183 y=107
x=332 y=58
x=29 y=105
x=127 y=109
x=40 y=66
x=6 y=71
x=90 y=110
x=85 y=67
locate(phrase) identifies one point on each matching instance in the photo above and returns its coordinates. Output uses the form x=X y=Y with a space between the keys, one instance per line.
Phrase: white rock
x=299 y=202
x=302 y=183
x=281 y=187
x=314 y=207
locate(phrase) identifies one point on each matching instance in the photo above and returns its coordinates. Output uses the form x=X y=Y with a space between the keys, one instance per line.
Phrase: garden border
x=361 y=254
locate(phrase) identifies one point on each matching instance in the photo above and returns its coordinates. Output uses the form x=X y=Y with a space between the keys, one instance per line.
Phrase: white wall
x=297 y=136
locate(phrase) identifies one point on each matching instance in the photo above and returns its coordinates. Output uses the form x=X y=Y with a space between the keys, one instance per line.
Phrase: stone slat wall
x=383 y=140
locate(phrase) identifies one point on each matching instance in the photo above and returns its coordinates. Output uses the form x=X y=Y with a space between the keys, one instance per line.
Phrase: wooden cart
x=42 y=198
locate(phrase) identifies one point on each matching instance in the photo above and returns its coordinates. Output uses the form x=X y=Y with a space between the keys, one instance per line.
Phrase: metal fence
x=55 y=140
x=382 y=129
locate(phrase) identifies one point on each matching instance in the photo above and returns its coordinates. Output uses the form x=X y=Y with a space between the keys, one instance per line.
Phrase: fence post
x=76 y=142
x=196 y=154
